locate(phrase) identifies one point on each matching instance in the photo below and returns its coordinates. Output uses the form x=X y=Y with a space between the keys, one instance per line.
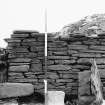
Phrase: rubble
x=89 y=26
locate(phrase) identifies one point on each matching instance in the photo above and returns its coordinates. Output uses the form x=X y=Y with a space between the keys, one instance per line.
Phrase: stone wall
x=3 y=65
x=71 y=56
x=67 y=57
x=26 y=58
x=61 y=75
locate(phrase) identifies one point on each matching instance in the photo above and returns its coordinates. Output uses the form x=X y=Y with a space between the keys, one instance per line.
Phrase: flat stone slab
x=21 y=68
x=59 y=67
x=8 y=90
x=25 y=31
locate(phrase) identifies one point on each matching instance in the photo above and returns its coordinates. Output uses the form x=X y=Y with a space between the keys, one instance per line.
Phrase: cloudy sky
x=29 y=14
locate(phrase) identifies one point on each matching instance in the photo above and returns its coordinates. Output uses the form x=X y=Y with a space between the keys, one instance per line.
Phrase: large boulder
x=8 y=90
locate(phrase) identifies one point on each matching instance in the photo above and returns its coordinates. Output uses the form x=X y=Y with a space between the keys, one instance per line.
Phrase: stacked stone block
x=26 y=58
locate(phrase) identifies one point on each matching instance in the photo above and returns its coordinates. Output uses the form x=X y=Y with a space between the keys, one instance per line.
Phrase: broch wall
x=67 y=59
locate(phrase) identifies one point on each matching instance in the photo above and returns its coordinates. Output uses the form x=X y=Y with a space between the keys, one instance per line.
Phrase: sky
x=30 y=14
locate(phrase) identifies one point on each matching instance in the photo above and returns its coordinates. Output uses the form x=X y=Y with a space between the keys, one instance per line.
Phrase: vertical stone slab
x=84 y=85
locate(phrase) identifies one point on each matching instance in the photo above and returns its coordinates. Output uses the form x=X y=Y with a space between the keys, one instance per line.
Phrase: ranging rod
x=45 y=80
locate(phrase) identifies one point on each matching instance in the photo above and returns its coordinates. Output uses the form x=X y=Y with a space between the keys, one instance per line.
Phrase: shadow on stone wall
x=3 y=65
x=33 y=98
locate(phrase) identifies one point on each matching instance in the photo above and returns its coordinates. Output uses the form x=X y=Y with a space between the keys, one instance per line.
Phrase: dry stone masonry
x=26 y=58
x=68 y=61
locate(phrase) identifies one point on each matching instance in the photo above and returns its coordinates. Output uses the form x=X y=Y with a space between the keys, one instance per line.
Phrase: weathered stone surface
x=23 y=80
x=77 y=47
x=84 y=90
x=88 y=55
x=12 y=40
x=33 y=43
x=18 y=64
x=15 y=74
x=36 y=60
x=41 y=38
x=36 y=67
x=22 y=55
x=83 y=67
x=33 y=49
x=101 y=66
x=59 y=67
x=102 y=43
x=84 y=100
x=29 y=73
x=83 y=60
x=84 y=87
x=59 y=57
x=12 y=78
x=52 y=75
x=36 y=73
x=92 y=51
x=8 y=90
x=20 y=60
x=41 y=77
x=64 y=80
x=72 y=51
x=20 y=35
x=50 y=62
x=57 y=49
x=57 y=44
x=34 y=35
x=91 y=42
x=25 y=32
x=21 y=49
x=29 y=40
x=69 y=75
x=100 y=61
x=41 y=54
x=102 y=73
x=97 y=47
x=76 y=43
x=72 y=84
x=84 y=77
x=60 y=53
x=65 y=61
x=22 y=68
x=31 y=77
x=14 y=44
